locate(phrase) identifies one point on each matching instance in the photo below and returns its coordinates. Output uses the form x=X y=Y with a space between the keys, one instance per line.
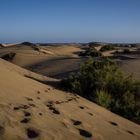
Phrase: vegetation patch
x=102 y=81
x=107 y=48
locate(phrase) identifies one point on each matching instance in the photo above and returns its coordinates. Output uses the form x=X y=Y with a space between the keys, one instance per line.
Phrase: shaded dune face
x=1 y=46
x=9 y=56
x=32 y=110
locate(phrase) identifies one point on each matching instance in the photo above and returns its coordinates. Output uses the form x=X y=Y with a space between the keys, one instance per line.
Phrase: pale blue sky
x=69 y=20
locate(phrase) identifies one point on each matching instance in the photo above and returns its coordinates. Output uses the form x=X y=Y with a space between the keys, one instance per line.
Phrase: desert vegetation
x=91 y=51
x=107 y=48
x=102 y=82
x=126 y=51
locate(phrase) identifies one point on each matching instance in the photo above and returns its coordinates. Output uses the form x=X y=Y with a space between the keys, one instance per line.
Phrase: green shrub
x=104 y=99
x=94 y=53
x=107 y=48
x=91 y=52
x=104 y=83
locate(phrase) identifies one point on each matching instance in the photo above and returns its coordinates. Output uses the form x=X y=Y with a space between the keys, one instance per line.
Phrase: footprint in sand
x=70 y=100
x=31 y=133
x=81 y=107
x=32 y=105
x=21 y=107
x=51 y=107
x=27 y=114
x=46 y=90
x=38 y=98
x=130 y=132
x=2 y=130
x=113 y=123
x=25 y=107
x=16 y=108
x=56 y=111
x=40 y=114
x=50 y=102
x=25 y=120
x=64 y=124
x=90 y=114
x=29 y=99
x=76 y=122
x=85 y=133
x=49 y=88
x=58 y=102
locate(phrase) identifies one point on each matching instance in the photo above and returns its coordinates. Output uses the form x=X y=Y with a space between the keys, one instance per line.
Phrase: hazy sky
x=69 y=20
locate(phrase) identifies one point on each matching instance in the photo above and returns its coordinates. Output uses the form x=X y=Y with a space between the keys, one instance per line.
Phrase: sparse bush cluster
x=91 y=52
x=104 y=83
x=107 y=48
x=94 y=53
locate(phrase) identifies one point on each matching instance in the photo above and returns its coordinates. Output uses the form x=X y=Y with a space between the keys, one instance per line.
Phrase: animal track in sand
x=85 y=133
x=113 y=123
x=31 y=133
x=38 y=92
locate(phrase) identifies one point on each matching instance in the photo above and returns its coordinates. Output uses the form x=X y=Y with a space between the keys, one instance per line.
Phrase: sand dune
x=32 y=110
x=131 y=67
x=46 y=60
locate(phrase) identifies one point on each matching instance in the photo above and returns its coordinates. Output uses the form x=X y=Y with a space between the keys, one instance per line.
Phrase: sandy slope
x=131 y=67
x=32 y=110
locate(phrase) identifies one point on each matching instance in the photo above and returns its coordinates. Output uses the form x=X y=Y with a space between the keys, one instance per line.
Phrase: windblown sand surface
x=132 y=67
x=32 y=110
x=130 y=63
